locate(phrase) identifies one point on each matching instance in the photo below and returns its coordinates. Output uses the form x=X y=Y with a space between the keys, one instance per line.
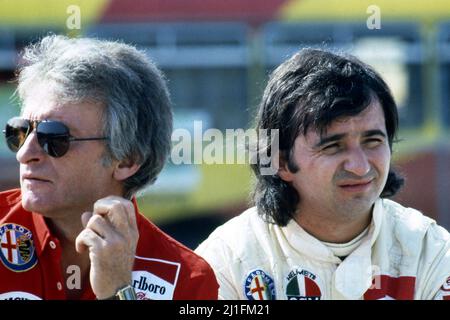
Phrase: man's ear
x=283 y=170
x=125 y=169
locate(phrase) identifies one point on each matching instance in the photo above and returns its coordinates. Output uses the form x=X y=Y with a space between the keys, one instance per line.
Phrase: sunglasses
x=53 y=136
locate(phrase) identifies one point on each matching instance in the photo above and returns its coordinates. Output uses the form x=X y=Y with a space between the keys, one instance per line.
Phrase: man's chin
x=357 y=204
x=34 y=201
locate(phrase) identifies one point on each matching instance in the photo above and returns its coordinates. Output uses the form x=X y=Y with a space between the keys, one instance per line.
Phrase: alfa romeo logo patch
x=259 y=286
x=17 y=248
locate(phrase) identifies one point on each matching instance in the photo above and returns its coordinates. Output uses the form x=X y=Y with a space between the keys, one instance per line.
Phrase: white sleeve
x=444 y=291
x=218 y=254
x=435 y=280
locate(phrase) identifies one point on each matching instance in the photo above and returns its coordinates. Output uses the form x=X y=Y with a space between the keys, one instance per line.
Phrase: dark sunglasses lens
x=16 y=132
x=53 y=137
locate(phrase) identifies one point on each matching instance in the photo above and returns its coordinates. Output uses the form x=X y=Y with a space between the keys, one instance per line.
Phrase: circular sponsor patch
x=446 y=285
x=17 y=249
x=18 y=295
x=259 y=286
x=302 y=285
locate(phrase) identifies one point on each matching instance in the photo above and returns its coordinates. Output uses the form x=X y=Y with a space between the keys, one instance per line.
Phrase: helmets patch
x=302 y=285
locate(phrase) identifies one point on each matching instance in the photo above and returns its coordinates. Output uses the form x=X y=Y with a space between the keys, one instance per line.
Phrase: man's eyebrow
x=374 y=132
x=325 y=140
x=337 y=137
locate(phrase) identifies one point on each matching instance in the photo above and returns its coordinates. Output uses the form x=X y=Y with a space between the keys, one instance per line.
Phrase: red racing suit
x=30 y=255
x=403 y=255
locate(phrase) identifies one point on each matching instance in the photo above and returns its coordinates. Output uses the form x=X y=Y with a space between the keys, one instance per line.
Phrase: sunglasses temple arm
x=88 y=139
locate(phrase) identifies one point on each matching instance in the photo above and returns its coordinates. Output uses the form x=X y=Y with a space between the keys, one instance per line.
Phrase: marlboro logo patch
x=155 y=279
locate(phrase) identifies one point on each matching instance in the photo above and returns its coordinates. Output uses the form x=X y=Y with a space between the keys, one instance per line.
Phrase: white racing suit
x=404 y=255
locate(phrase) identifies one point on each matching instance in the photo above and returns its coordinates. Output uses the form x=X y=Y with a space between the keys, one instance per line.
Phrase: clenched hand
x=111 y=236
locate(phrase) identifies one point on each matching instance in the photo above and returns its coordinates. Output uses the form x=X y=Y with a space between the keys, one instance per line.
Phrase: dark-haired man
x=322 y=227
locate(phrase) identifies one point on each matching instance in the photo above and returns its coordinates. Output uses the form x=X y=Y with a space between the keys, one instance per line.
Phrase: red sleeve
x=199 y=284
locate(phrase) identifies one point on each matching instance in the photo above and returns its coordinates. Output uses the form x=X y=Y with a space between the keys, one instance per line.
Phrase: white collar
x=344 y=249
x=353 y=276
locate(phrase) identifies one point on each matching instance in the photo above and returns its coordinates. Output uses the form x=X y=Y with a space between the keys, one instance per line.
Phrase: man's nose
x=357 y=162
x=30 y=150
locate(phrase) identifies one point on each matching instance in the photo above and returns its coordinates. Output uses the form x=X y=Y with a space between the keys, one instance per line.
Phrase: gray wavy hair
x=138 y=114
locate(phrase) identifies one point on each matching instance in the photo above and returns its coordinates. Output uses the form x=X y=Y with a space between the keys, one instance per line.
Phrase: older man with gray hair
x=94 y=129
